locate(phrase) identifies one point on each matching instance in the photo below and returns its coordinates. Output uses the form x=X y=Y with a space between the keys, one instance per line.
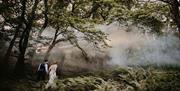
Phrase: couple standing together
x=43 y=70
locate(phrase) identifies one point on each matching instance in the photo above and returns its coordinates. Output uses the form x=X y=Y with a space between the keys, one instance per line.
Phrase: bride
x=52 y=75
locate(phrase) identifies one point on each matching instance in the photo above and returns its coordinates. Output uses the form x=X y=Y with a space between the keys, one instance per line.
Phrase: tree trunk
x=79 y=47
x=5 y=64
x=83 y=52
x=21 y=21
x=49 y=50
x=6 y=57
x=174 y=8
x=52 y=44
x=19 y=68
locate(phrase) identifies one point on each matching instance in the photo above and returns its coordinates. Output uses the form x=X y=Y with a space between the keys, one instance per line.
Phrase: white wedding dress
x=52 y=76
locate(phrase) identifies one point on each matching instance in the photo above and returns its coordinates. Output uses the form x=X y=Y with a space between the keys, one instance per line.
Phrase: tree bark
x=19 y=68
x=55 y=41
x=49 y=50
x=79 y=47
x=52 y=44
x=174 y=8
x=83 y=52
x=8 y=52
x=21 y=21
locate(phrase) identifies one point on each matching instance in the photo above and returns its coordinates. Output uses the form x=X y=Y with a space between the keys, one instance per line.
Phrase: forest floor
x=118 y=79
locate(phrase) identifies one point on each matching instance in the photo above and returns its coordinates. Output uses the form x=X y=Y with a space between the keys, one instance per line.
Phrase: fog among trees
x=99 y=45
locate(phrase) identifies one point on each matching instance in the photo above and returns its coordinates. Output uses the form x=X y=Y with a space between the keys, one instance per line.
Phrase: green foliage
x=127 y=3
x=150 y=21
x=131 y=79
x=151 y=15
x=63 y=19
x=148 y=14
x=80 y=84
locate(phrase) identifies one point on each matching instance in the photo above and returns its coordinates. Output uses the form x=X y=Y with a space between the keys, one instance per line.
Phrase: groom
x=42 y=70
